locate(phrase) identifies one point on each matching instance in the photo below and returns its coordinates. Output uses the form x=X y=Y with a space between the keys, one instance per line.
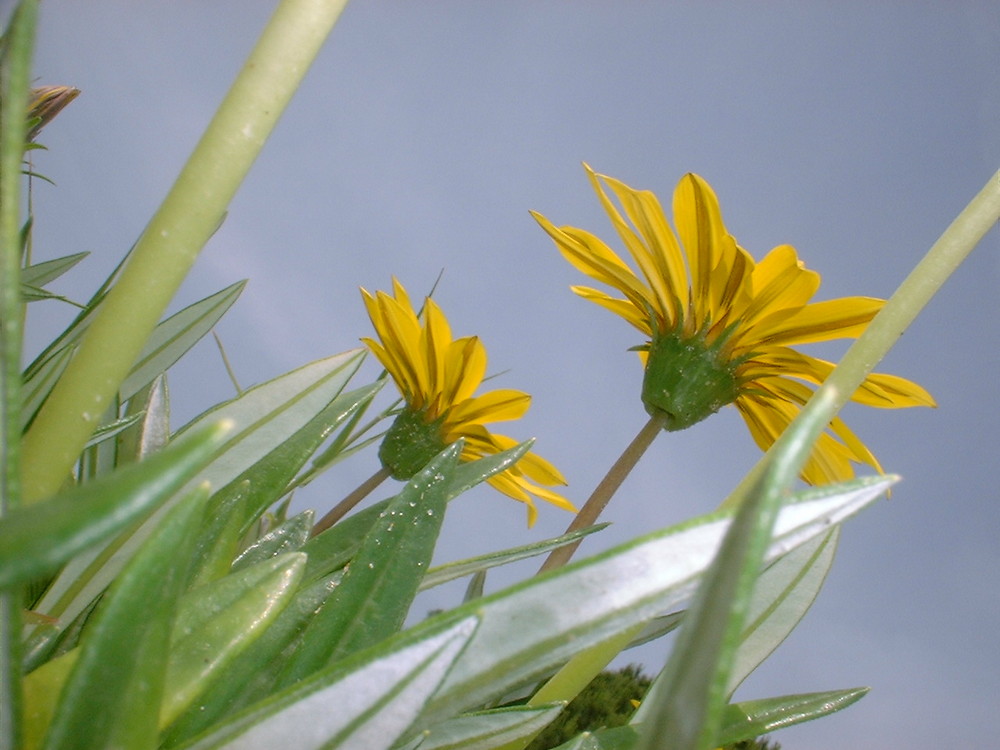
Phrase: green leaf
x=375 y=593
x=783 y=595
x=153 y=431
x=252 y=675
x=460 y=568
x=616 y=738
x=112 y=429
x=484 y=730
x=271 y=474
x=377 y=695
x=288 y=537
x=219 y=621
x=750 y=719
x=41 y=274
x=688 y=697
x=468 y=474
x=35 y=540
x=112 y=695
x=264 y=416
x=332 y=549
x=532 y=629
x=657 y=628
x=175 y=335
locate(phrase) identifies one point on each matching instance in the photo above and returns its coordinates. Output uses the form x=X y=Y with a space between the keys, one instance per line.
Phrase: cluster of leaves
x=169 y=601
x=174 y=605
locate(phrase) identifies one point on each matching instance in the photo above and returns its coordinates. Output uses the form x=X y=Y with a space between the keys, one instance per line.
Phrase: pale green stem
x=15 y=76
x=909 y=299
x=189 y=215
x=602 y=494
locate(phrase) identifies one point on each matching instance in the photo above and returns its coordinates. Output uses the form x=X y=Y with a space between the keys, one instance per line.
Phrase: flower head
x=720 y=325
x=438 y=377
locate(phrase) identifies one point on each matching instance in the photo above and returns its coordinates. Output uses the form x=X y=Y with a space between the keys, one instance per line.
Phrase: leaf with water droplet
x=375 y=594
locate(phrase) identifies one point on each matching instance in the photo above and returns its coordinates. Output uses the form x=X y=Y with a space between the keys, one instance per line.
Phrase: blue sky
x=425 y=133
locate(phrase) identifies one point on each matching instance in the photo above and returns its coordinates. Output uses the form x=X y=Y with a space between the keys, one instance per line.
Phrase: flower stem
x=917 y=289
x=346 y=505
x=602 y=494
x=191 y=212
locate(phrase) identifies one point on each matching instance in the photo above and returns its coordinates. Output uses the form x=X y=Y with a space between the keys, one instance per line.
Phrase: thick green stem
x=176 y=234
x=15 y=76
x=909 y=299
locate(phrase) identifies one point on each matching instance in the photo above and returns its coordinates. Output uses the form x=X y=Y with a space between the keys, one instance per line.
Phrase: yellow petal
x=621 y=307
x=465 y=366
x=781 y=286
x=495 y=406
x=435 y=343
x=698 y=219
x=842 y=318
x=656 y=252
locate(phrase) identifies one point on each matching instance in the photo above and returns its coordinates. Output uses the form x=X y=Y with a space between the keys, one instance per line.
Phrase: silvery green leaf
x=783 y=594
x=485 y=730
x=533 y=628
x=461 y=568
x=377 y=696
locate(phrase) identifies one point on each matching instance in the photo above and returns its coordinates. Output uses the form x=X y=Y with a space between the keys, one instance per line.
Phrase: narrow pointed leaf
x=783 y=595
x=175 y=335
x=688 y=697
x=288 y=537
x=533 y=628
x=750 y=719
x=252 y=675
x=377 y=696
x=42 y=273
x=36 y=539
x=375 y=593
x=332 y=549
x=153 y=431
x=461 y=568
x=225 y=626
x=112 y=695
x=467 y=475
x=264 y=416
x=485 y=730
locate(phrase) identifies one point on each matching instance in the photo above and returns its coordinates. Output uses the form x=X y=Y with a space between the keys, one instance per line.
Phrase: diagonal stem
x=604 y=491
x=346 y=505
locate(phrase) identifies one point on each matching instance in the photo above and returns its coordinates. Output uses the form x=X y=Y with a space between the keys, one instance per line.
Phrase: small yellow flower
x=721 y=325
x=438 y=377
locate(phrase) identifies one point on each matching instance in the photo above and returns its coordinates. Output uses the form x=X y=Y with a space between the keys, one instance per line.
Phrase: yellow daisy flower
x=720 y=324
x=438 y=377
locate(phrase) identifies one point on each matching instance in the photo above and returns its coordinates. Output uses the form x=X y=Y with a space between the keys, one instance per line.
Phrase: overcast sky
x=426 y=131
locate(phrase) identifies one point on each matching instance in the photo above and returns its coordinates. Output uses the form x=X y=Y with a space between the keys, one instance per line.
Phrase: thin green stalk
x=917 y=289
x=602 y=494
x=189 y=215
x=15 y=75
x=346 y=505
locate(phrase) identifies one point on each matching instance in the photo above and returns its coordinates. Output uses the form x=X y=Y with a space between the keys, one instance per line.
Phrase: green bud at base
x=410 y=444
x=686 y=380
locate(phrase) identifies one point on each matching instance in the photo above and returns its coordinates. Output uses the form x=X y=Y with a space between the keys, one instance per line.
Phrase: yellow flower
x=721 y=325
x=438 y=377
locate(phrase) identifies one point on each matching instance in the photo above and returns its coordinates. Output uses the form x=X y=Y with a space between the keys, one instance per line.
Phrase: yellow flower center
x=687 y=379
x=410 y=443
